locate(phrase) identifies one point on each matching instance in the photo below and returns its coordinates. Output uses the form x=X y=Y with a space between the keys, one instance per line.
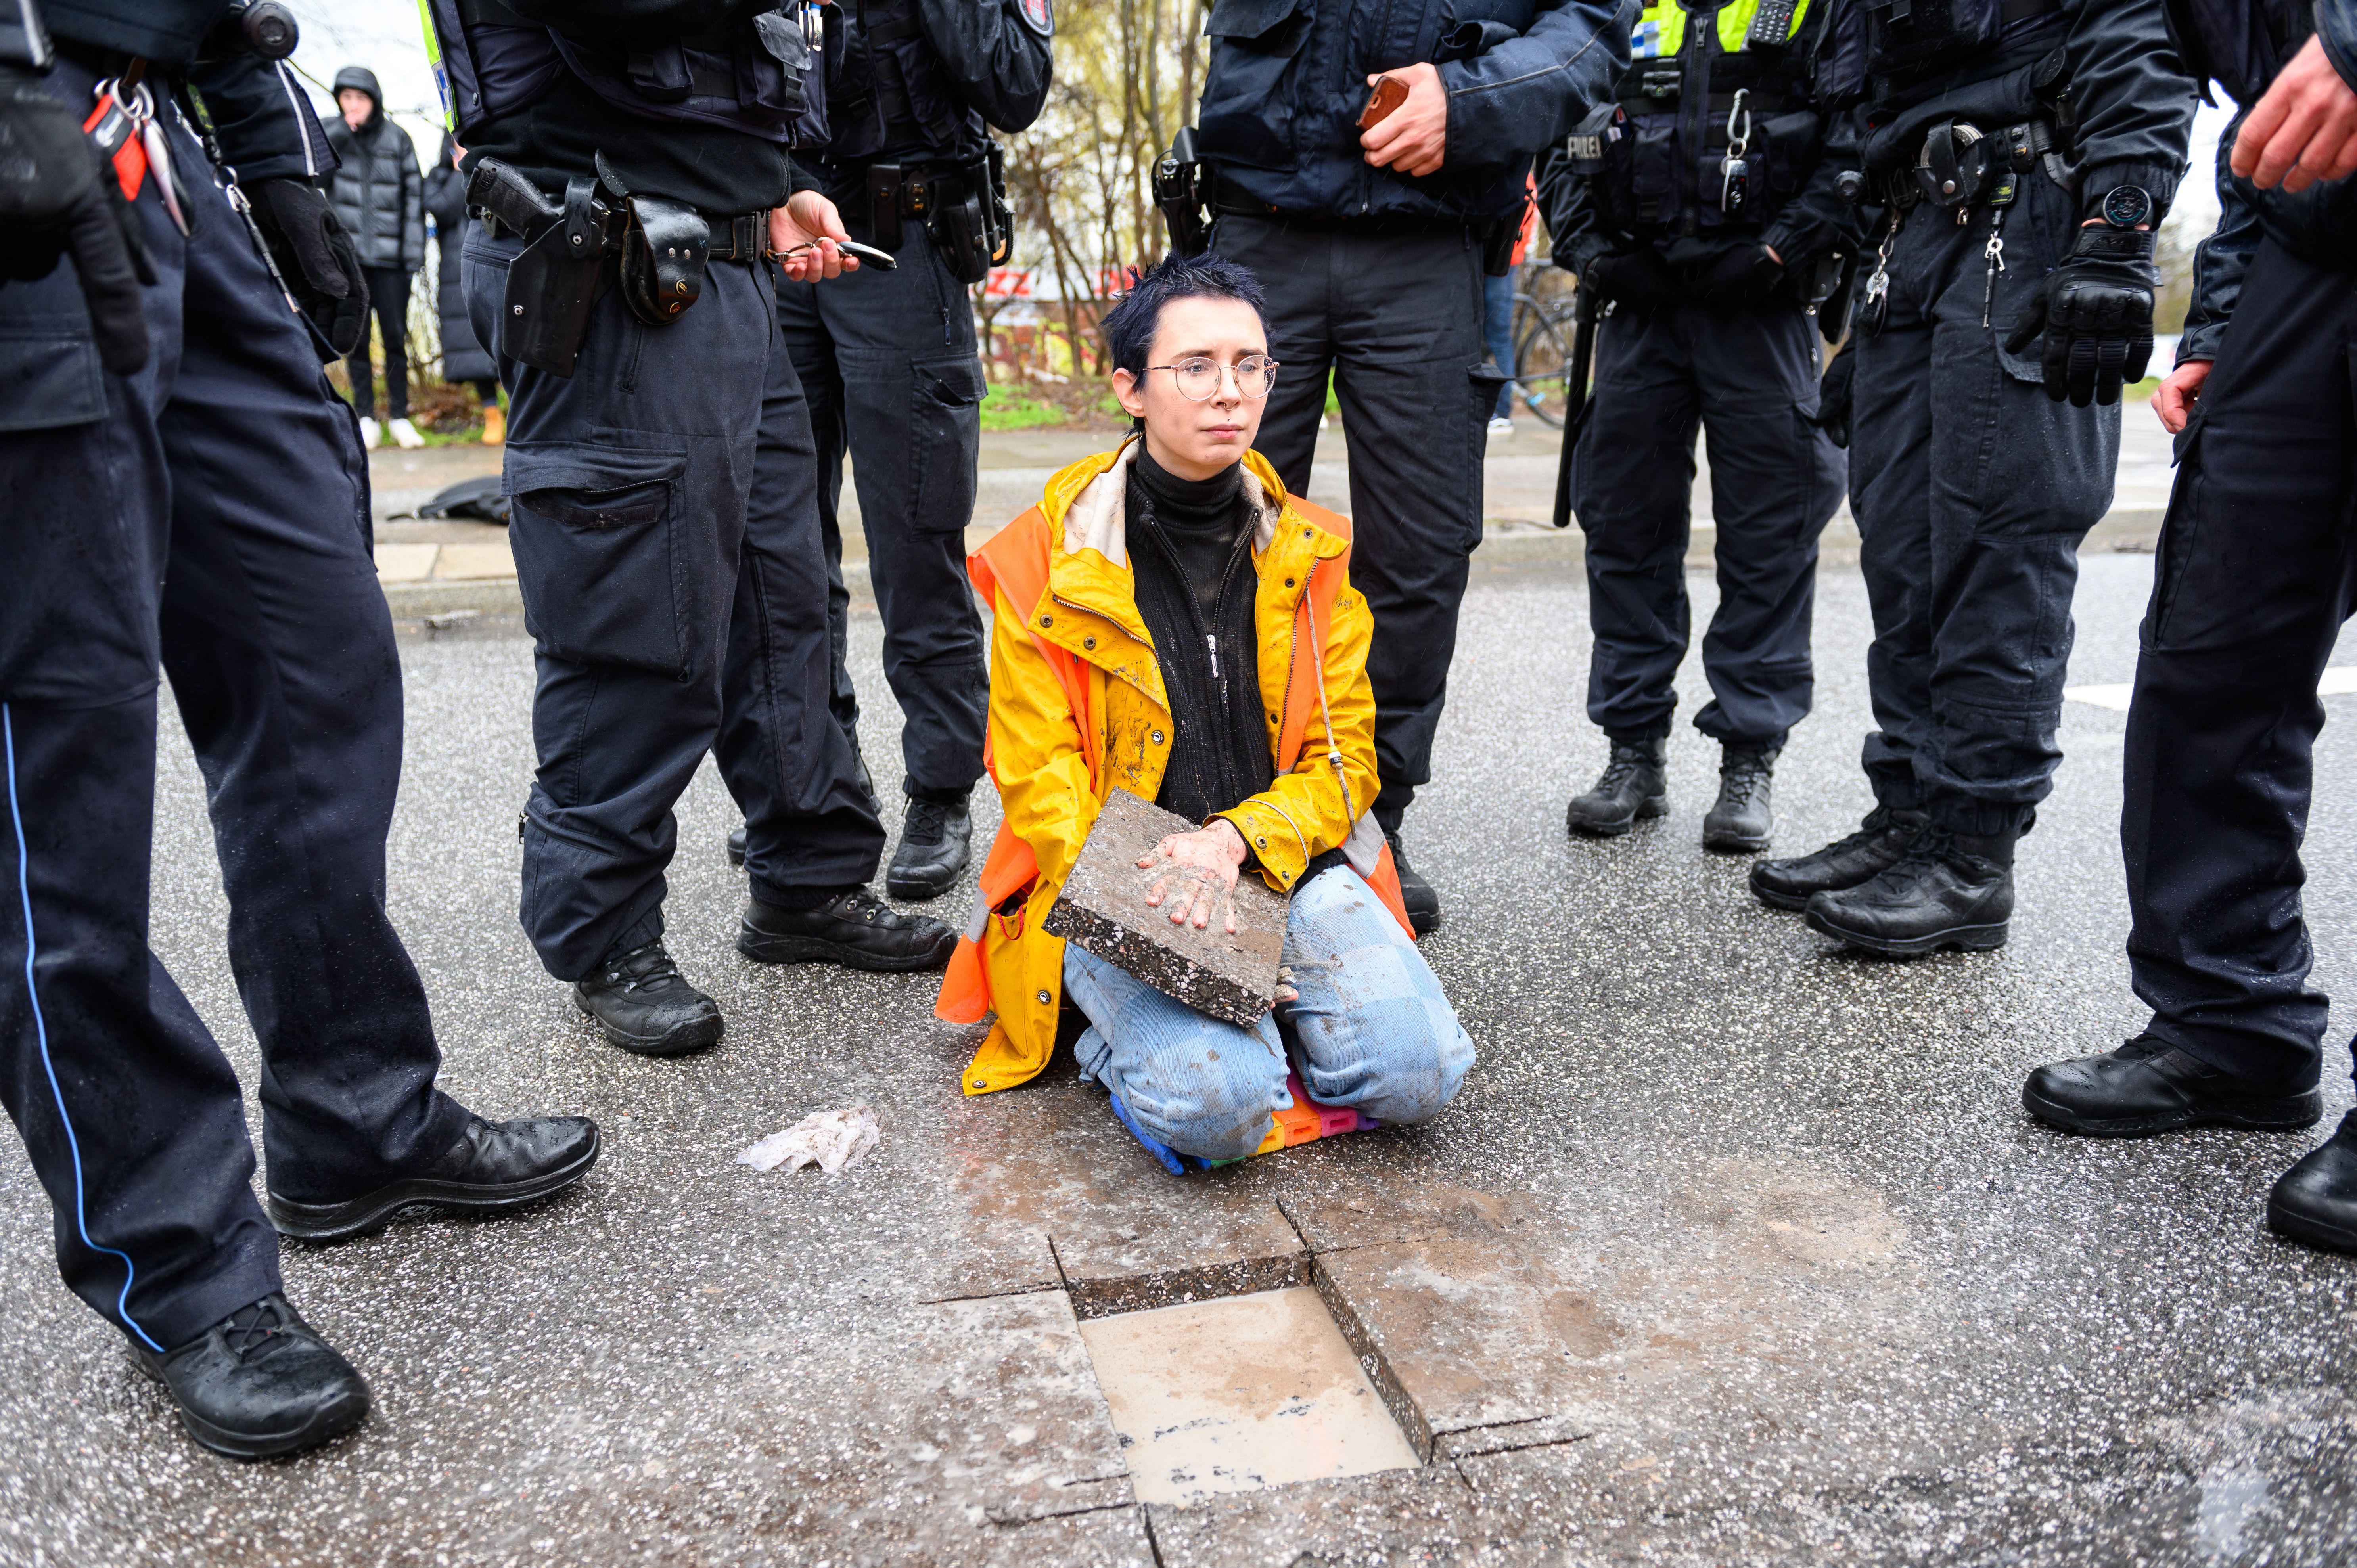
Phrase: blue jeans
x=1498 y=331
x=1373 y=1030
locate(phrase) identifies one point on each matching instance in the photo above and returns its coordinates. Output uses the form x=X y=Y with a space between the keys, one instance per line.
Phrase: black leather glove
x=55 y=198
x=1638 y=280
x=1834 y=398
x=1744 y=276
x=314 y=256
x=2096 y=311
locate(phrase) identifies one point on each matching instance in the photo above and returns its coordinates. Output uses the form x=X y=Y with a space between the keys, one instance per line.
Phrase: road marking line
x=2337 y=681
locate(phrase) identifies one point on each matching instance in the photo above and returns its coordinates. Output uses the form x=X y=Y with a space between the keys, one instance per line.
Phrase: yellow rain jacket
x=1078 y=709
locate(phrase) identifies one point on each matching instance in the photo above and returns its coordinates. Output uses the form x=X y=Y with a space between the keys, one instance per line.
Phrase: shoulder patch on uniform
x=1040 y=15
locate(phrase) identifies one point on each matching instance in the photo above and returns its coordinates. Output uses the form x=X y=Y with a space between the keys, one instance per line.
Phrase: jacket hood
x=1086 y=502
x=365 y=80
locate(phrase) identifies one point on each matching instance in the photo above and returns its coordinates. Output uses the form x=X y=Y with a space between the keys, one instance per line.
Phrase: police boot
x=1631 y=785
x=1742 y=821
x=853 y=928
x=645 y=1005
x=2316 y=1200
x=259 y=1383
x=2147 y=1086
x=1417 y=896
x=1845 y=863
x=1949 y=890
x=936 y=840
x=493 y=1165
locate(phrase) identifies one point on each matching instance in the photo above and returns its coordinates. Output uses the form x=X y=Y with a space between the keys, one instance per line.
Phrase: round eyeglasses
x=1199 y=378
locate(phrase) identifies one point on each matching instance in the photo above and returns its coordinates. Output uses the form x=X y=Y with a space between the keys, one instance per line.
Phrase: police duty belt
x=1962 y=167
x=553 y=283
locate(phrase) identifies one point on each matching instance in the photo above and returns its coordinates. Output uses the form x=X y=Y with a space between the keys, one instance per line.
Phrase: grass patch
x=1005 y=408
x=2140 y=390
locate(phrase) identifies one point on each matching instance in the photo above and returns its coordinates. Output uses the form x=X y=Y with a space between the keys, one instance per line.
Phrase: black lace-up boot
x=645 y=1005
x=2149 y=1086
x=492 y=1166
x=853 y=928
x=1632 y=786
x=1744 y=818
x=259 y=1383
x=2315 y=1202
x=1845 y=863
x=1417 y=896
x=1949 y=890
x=936 y=840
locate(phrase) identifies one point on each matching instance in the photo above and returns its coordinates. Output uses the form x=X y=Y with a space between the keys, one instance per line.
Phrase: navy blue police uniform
x=1374 y=280
x=204 y=506
x=889 y=362
x=2022 y=154
x=663 y=481
x=2255 y=578
x=1704 y=206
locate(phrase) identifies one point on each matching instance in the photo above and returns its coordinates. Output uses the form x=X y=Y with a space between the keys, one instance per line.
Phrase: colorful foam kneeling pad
x=1299 y=1123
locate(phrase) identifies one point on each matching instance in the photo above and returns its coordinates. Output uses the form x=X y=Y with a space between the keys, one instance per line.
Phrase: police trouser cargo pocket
x=592 y=531
x=945 y=442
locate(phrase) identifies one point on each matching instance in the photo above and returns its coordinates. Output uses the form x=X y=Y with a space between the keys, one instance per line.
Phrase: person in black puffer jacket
x=379 y=194
x=463 y=358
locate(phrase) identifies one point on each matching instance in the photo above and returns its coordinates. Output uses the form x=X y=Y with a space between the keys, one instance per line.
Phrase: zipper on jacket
x=1213 y=641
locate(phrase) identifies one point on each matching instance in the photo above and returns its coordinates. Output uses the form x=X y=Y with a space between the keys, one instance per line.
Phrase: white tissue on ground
x=827 y=1138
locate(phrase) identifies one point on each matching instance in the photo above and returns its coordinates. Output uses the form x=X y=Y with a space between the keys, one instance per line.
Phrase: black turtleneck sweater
x=1190 y=556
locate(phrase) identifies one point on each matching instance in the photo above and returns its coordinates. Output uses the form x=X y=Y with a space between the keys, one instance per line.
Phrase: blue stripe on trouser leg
x=41 y=1027
x=1374 y=1029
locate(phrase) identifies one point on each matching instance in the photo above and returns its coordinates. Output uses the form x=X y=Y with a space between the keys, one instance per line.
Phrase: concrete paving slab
x=491 y=558
x=1237 y=1394
x=405 y=562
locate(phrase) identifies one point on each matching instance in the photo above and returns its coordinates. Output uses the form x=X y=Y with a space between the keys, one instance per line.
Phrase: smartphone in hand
x=1389 y=94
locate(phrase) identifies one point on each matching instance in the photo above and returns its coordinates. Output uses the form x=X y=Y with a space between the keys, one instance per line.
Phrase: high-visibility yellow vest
x=1660 y=33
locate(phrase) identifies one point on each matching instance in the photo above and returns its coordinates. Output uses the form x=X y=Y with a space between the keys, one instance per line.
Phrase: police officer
x=1373 y=244
x=889 y=360
x=2256 y=577
x=185 y=489
x=2025 y=151
x=634 y=178
x=1703 y=205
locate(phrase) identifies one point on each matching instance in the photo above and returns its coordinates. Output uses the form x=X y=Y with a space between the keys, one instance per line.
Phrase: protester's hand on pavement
x=1414 y=137
x=804 y=233
x=2178 y=391
x=2304 y=130
x=1202 y=867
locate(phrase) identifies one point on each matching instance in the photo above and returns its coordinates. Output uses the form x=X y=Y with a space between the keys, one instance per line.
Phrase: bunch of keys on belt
x=124 y=130
x=868 y=254
x=1734 y=175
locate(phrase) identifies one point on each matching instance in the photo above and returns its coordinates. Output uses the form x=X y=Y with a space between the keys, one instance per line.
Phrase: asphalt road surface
x=1735 y=1248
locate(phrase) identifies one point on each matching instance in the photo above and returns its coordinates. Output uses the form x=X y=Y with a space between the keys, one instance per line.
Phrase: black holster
x=964 y=206
x=556 y=279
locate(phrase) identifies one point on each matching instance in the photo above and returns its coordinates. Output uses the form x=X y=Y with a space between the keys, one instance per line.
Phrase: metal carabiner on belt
x=1734 y=177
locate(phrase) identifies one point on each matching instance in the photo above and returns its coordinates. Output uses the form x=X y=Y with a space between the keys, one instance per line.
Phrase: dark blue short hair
x=1130 y=324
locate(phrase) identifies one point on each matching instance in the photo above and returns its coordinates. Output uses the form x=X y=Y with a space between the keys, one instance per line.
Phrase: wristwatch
x=2127 y=207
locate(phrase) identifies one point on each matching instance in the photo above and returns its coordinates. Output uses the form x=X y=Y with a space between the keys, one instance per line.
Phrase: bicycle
x=1543 y=329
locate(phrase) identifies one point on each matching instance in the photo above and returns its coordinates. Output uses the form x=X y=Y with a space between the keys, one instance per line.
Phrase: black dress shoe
x=1949 y=890
x=645 y=1004
x=1417 y=895
x=2316 y=1200
x=1845 y=863
x=493 y=1165
x=2145 y=1087
x=1633 y=784
x=737 y=848
x=259 y=1383
x=1743 y=819
x=856 y=930
x=936 y=840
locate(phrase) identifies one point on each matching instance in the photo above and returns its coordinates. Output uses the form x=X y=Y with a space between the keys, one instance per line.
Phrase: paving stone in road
x=1735 y=1249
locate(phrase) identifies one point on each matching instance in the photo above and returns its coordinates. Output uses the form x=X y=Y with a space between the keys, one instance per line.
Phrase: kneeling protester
x=1169 y=622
